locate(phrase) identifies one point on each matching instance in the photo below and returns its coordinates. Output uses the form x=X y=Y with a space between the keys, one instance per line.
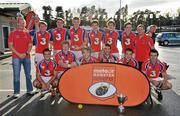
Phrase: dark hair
x=107 y=45
x=95 y=21
x=111 y=21
x=76 y=18
x=129 y=49
x=46 y=50
x=154 y=51
x=127 y=23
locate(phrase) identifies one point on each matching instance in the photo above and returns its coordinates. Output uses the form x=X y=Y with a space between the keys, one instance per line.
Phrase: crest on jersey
x=58 y=36
x=76 y=38
x=103 y=82
x=109 y=41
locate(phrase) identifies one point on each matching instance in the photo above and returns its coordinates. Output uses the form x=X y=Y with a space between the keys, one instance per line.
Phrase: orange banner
x=98 y=83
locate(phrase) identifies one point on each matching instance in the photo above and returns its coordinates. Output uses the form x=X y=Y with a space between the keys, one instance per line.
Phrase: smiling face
x=47 y=55
x=111 y=26
x=153 y=56
x=65 y=47
x=140 y=30
x=128 y=55
x=86 y=53
x=76 y=22
x=128 y=28
x=21 y=23
x=107 y=50
x=95 y=27
x=42 y=27
x=60 y=24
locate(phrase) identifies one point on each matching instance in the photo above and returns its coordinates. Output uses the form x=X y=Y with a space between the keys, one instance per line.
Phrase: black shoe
x=160 y=97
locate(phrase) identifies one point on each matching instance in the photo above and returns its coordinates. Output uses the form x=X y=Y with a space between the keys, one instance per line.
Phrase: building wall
x=4 y=21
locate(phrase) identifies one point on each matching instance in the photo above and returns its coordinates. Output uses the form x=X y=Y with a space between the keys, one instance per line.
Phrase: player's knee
x=54 y=83
x=155 y=83
x=37 y=84
x=169 y=85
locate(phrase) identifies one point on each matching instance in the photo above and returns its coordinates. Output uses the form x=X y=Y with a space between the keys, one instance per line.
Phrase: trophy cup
x=121 y=99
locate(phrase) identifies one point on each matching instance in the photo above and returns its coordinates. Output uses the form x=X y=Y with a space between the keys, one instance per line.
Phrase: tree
x=47 y=14
x=59 y=12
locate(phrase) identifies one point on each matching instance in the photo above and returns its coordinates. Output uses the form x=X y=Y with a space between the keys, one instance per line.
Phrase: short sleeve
x=144 y=67
x=11 y=36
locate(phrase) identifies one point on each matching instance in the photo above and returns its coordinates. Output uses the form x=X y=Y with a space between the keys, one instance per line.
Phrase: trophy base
x=121 y=109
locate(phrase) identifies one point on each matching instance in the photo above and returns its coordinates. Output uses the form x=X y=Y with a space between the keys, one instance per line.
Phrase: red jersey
x=95 y=39
x=20 y=41
x=46 y=68
x=66 y=58
x=110 y=58
x=91 y=60
x=58 y=36
x=142 y=48
x=111 y=39
x=41 y=41
x=128 y=41
x=153 y=71
x=77 y=37
x=132 y=62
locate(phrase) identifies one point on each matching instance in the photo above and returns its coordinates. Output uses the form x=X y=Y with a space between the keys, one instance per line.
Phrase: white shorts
x=158 y=79
x=116 y=55
x=95 y=54
x=38 y=57
x=78 y=54
x=45 y=79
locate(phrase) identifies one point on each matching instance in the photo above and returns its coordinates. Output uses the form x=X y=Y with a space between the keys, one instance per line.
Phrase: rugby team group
x=59 y=49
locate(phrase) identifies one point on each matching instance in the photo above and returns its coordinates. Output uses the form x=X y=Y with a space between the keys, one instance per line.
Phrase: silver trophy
x=121 y=99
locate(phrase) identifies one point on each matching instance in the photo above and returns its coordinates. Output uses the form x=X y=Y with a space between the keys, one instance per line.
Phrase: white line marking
x=60 y=100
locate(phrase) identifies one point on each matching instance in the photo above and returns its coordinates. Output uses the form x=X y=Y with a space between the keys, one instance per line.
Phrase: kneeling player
x=45 y=77
x=106 y=55
x=128 y=59
x=153 y=67
x=87 y=58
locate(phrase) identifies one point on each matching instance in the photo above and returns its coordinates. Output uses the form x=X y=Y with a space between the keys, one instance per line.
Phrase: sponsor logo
x=103 y=81
x=102 y=89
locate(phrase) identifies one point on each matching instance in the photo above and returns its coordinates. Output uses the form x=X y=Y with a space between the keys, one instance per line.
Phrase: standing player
x=143 y=44
x=20 y=43
x=58 y=35
x=95 y=38
x=46 y=74
x=78 y=38
x=106 y=55
x=152 y=31
x=152 y=68
x=65 y=59
x=87 y=58
x=128 y=38
x=128 y=59
x=41 y=40
x=110 y=37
